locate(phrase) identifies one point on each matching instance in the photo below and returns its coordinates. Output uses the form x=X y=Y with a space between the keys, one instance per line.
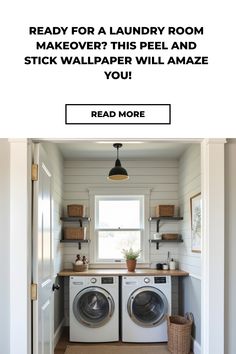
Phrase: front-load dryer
x=146 y=302
x=94 y=309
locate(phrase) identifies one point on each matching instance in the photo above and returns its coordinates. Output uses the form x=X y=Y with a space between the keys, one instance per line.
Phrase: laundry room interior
x=160 y=173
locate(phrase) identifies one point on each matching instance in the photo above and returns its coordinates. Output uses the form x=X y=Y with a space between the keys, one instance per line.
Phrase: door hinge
x=34 y=291
x=34 y=172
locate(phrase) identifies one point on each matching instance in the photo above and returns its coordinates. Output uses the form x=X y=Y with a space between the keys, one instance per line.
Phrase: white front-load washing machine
x=94 y=309
x=146 y=302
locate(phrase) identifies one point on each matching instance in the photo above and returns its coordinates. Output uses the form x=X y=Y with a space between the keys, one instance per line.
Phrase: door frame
x=40 y=157
x=213 y=244
x=20 y=246
x=212 y=306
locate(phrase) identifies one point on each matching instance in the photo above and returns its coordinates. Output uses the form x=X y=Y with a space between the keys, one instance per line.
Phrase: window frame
x=129 y=194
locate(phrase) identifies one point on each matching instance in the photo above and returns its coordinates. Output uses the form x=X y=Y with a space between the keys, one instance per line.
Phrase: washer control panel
x=107 y=280
x=146 y=280
x=93 y=280
x=159 y=280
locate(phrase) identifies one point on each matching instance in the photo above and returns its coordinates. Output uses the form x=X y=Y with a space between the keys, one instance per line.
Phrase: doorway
x=213 y=244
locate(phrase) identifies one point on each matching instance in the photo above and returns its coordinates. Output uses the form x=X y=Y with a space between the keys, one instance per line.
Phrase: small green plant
x=131 y=254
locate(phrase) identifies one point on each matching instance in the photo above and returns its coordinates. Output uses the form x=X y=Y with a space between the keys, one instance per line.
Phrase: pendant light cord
x=117 y=156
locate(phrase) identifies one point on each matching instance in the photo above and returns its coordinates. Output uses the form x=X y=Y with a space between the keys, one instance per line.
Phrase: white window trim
x=122 y=197
x=119 y=192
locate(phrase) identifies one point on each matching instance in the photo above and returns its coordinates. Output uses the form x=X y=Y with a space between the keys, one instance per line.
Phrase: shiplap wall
x=160 y=176
x=189 y=185
x=190 y=287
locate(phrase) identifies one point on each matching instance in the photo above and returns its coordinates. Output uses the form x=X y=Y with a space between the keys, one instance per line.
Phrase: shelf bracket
x=158 y=225
x=156 y=242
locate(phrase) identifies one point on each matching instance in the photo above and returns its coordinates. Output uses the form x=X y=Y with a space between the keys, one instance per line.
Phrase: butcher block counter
x=94 y=272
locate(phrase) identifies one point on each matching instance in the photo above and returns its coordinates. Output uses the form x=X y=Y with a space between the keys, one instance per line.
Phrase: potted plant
x=131 y=258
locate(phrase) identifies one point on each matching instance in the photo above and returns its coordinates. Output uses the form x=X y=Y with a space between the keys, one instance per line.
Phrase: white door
x=43 y=307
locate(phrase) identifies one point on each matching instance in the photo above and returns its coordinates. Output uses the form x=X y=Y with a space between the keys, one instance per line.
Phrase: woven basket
x=76 y=210
x=179 y=334
x=170 y=236
x=80 y=267
x=74 y=233
x=165 y=210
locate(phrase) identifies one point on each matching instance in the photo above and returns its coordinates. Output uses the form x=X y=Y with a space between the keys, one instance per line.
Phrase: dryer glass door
x=93 y=307
x=147 y=306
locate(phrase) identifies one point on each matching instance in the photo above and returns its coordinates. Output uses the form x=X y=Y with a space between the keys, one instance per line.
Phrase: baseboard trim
x=198 y=277
x=58 y=332
x=196 y=347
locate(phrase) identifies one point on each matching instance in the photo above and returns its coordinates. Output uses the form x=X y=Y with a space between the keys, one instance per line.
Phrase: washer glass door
x=147 y=306
x=93 y=307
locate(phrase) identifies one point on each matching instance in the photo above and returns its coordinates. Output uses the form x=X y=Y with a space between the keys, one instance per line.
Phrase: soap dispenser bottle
x=168 y=259
x=172 y=265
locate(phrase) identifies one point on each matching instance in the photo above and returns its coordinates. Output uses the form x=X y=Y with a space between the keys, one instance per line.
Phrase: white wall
x=190 y=287
x=230 y=246
x=20 y=246
x=5 y=245
x=160 y=176
x=189 y=185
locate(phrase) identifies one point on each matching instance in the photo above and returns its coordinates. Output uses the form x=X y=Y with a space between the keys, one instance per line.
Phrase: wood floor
x=64 y=341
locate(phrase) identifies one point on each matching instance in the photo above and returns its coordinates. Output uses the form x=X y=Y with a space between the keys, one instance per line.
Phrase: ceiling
x=100 y=150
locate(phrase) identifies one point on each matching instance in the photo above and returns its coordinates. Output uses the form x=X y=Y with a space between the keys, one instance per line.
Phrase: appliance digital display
x=159 y=280
x=107 y=280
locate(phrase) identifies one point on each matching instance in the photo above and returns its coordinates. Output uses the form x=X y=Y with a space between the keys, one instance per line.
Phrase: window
x=119 y=223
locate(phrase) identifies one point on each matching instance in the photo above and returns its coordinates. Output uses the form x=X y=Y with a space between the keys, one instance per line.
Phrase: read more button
x=118 y=114
x=122 y=113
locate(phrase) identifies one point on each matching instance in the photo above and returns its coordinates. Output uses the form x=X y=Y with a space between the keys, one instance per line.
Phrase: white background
x=202 y=97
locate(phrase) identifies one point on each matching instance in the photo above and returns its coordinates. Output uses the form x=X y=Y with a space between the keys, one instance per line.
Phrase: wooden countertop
x=94 y=272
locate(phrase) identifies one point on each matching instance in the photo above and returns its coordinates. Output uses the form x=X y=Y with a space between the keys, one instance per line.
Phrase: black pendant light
x=118 y=173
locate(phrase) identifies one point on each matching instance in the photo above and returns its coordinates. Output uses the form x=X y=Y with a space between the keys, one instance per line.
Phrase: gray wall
x=5 y=245
x=230 y=246
x=190 y=301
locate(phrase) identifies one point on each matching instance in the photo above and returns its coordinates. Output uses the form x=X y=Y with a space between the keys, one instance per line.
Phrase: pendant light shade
x=118 y=173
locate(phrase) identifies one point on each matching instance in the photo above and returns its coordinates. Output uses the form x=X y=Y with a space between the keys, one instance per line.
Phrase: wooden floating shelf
x=164 y=218
x=75 y=218
x=165 y=241
x=75 y=241
x=79 y=219
x=152 y=218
